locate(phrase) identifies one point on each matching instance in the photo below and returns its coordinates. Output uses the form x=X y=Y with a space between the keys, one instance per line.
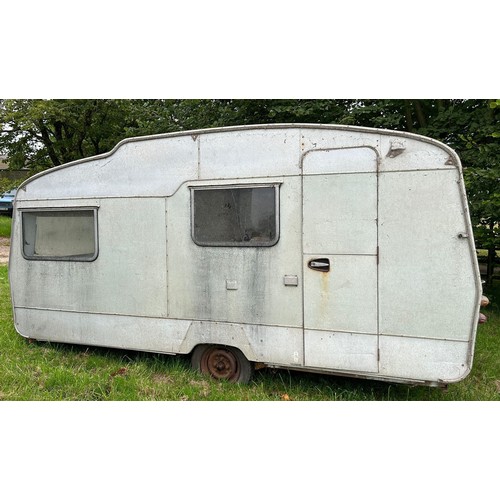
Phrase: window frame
x=37 y=210
x=243 y=244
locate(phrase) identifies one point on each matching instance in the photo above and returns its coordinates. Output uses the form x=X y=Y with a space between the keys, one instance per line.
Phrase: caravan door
x=340 y=259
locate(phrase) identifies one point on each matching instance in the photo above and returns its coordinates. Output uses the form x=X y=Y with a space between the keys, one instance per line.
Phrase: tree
x=479 y=149
x=38 y=134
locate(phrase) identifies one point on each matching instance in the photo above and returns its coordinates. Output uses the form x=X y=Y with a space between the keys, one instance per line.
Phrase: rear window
x=60 y=234
x=235 y=216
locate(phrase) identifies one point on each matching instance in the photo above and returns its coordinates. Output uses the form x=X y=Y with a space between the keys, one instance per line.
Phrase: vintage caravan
x=324 y=248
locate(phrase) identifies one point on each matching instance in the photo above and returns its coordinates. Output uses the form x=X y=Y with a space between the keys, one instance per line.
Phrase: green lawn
x=43 y=371
x=5 y=223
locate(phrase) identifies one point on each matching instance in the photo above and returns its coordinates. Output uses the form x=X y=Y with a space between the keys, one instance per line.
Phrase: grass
x=482 y=254
x=5 y=224
x=38 y=371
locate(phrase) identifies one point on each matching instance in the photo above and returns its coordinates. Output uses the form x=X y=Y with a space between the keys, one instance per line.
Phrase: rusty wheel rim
x=220 y=363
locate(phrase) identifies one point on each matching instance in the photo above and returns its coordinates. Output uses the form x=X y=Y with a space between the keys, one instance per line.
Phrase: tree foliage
x=38 y=134
x=43 y=133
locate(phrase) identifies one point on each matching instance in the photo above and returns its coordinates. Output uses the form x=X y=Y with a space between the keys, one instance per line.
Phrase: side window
x=60 y=234
x=235 y=216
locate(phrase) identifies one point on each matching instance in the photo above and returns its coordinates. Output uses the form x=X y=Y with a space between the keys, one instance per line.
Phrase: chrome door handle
x=322 y=265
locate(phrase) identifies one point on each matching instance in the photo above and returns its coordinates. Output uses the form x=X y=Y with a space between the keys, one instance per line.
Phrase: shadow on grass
x=344 y=388
x=119 y=356
x=267 y=383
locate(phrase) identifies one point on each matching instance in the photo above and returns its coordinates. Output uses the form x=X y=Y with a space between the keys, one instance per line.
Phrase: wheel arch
x=218 y=333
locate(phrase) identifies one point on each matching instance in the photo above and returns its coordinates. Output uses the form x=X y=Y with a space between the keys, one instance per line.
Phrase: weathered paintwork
x=388 y=210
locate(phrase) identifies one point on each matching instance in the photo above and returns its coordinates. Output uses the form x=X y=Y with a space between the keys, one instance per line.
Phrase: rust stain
x=325 y=294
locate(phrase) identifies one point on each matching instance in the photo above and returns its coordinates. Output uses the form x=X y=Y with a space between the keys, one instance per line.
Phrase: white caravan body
x=324 y=248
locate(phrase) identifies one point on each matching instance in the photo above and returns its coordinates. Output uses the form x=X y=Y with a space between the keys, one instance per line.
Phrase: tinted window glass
x=235 y=216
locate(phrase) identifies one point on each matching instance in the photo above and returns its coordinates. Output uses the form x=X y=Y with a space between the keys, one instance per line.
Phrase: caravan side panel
x=249 y=153
x=427 y=283
x=128 y=276
x=426 y=272
x=236 y=284
x=150 y=167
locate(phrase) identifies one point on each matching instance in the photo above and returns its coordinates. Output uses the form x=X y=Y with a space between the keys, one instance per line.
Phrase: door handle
x=322 y=265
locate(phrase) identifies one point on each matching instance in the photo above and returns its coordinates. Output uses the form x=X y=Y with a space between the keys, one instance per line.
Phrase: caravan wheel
x=222 y=363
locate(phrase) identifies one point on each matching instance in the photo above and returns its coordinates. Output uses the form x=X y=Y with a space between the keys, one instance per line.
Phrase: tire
x=222 y=363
